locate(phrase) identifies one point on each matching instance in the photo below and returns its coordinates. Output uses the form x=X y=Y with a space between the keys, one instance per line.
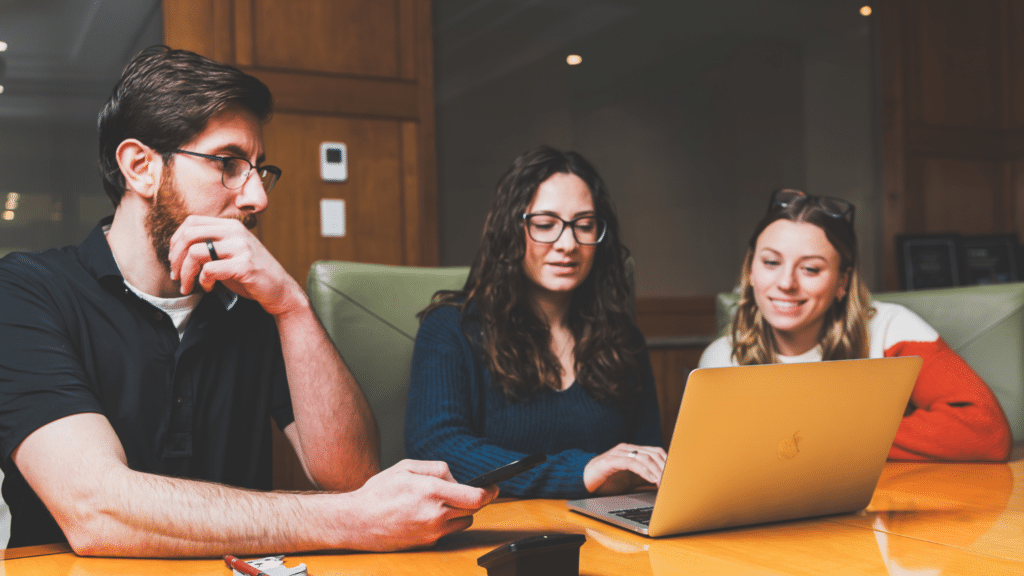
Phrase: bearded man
x=139 y=371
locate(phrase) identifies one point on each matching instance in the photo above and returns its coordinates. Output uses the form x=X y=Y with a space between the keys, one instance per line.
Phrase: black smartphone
x=507 y=471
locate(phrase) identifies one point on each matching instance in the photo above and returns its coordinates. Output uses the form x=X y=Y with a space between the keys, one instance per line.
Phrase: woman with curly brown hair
x=801 y=299
x=538 y=352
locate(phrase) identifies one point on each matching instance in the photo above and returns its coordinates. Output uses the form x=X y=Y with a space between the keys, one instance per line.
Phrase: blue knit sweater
x=455 y=414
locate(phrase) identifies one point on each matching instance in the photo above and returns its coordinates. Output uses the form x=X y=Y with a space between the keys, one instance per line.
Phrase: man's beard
x=167 y=215
x=165 y=218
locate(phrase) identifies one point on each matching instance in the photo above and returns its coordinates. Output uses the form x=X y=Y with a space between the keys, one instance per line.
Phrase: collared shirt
x=74 y=339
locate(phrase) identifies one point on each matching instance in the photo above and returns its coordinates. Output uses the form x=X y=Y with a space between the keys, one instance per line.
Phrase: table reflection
x=970 y=506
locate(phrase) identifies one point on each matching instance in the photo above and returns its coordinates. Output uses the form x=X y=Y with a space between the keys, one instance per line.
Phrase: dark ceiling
x=63 y=48
x=480 y=41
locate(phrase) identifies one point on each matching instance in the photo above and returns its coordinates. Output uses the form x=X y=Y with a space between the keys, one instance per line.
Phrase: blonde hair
x=844 y=332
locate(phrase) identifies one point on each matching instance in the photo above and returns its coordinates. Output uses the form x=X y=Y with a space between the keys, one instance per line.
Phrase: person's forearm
x=144 y=515
x=966 y=433
x=956 y=417
x=335 y=427
x=77 y=467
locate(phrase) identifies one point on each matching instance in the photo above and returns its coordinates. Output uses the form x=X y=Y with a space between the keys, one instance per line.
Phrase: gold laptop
x=757 y=444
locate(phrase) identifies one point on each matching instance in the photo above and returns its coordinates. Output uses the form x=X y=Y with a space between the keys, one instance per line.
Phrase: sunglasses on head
x=834 y=207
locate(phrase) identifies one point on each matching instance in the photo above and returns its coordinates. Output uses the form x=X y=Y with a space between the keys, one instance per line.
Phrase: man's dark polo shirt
x=75 y=339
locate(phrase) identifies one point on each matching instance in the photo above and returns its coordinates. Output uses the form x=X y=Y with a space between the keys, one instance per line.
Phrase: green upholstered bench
x=369 y=311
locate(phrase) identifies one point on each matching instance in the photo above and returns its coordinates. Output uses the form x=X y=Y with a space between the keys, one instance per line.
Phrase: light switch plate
x=332 y=217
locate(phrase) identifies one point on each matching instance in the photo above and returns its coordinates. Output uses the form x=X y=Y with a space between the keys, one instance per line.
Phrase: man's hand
x=412 y=504
x=244 y=265
x=623 y=468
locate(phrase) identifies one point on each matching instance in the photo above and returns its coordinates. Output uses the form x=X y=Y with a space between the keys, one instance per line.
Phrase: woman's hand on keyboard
x=623 y=468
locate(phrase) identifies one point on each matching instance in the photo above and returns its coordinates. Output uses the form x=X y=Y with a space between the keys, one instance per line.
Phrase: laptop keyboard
x=638 y=515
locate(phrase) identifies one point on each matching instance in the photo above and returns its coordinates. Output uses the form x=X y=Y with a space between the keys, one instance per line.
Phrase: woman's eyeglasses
x=548 y=228
x=834 y=207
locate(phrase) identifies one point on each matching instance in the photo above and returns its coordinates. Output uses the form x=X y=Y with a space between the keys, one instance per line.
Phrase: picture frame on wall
x=928 y=261
x=990 y=259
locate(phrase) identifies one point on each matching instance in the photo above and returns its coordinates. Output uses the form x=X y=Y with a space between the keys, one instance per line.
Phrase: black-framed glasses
x=236 y=170
x=834 y=207
x=548 y=228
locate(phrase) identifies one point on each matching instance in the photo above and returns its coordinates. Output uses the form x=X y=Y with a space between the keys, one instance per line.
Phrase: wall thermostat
x=333 y=162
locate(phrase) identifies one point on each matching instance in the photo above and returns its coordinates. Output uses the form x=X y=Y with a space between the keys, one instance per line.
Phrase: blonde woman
x=802 y=300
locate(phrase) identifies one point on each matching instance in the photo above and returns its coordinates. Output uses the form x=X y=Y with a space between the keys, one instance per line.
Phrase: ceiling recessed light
x=573 y=59
x=3 y=46
x=1 y=88
x=9 y=215
x=865 y=10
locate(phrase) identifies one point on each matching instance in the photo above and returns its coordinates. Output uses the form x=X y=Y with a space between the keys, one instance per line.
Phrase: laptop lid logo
x=790 y=447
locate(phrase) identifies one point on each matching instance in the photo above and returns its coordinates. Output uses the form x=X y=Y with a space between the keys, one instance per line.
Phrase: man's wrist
x=338 y=516
x=293 y=302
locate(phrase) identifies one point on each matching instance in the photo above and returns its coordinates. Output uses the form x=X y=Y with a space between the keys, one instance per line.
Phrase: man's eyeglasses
x=834 y=207
x=236 y=170
x=547 y=228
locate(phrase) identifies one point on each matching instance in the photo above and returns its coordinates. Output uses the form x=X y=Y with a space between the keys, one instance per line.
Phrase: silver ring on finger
x=633 y=453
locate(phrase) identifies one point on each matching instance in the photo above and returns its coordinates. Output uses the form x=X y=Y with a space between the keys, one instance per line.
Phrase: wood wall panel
x=331 y=95
x=959 y=78
x=407 y=39
x=429 y=252
x=1016 y=176
x=932 y=140
x=682 y=316
x=291 y=225
x=952 y=85
x=973 y=186
x=288 y=473
x=193 y=26
x=1015 y=62
x=893 y=119
x=413 y=212
x=224 y=31
x=244 y=32
x=677 y=331
x=671 y=368
x=354 y=37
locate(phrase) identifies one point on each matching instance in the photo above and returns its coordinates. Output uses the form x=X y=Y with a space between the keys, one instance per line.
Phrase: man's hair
x=164 y=99
x=514 y=341
x=844 y=333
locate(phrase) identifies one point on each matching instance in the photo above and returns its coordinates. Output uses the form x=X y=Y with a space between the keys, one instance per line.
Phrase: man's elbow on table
x=88 y=527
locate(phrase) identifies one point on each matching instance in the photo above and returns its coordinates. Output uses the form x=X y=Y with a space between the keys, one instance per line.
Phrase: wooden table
x=924 y=519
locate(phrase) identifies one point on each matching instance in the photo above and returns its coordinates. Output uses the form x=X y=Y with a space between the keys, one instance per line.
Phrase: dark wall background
x=692 y=114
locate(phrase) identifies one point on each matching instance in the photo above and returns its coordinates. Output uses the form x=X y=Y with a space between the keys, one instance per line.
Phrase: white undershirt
x=178 y=309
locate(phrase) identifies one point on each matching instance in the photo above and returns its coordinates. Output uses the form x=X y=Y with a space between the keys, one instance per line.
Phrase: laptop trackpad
x=623 y=502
